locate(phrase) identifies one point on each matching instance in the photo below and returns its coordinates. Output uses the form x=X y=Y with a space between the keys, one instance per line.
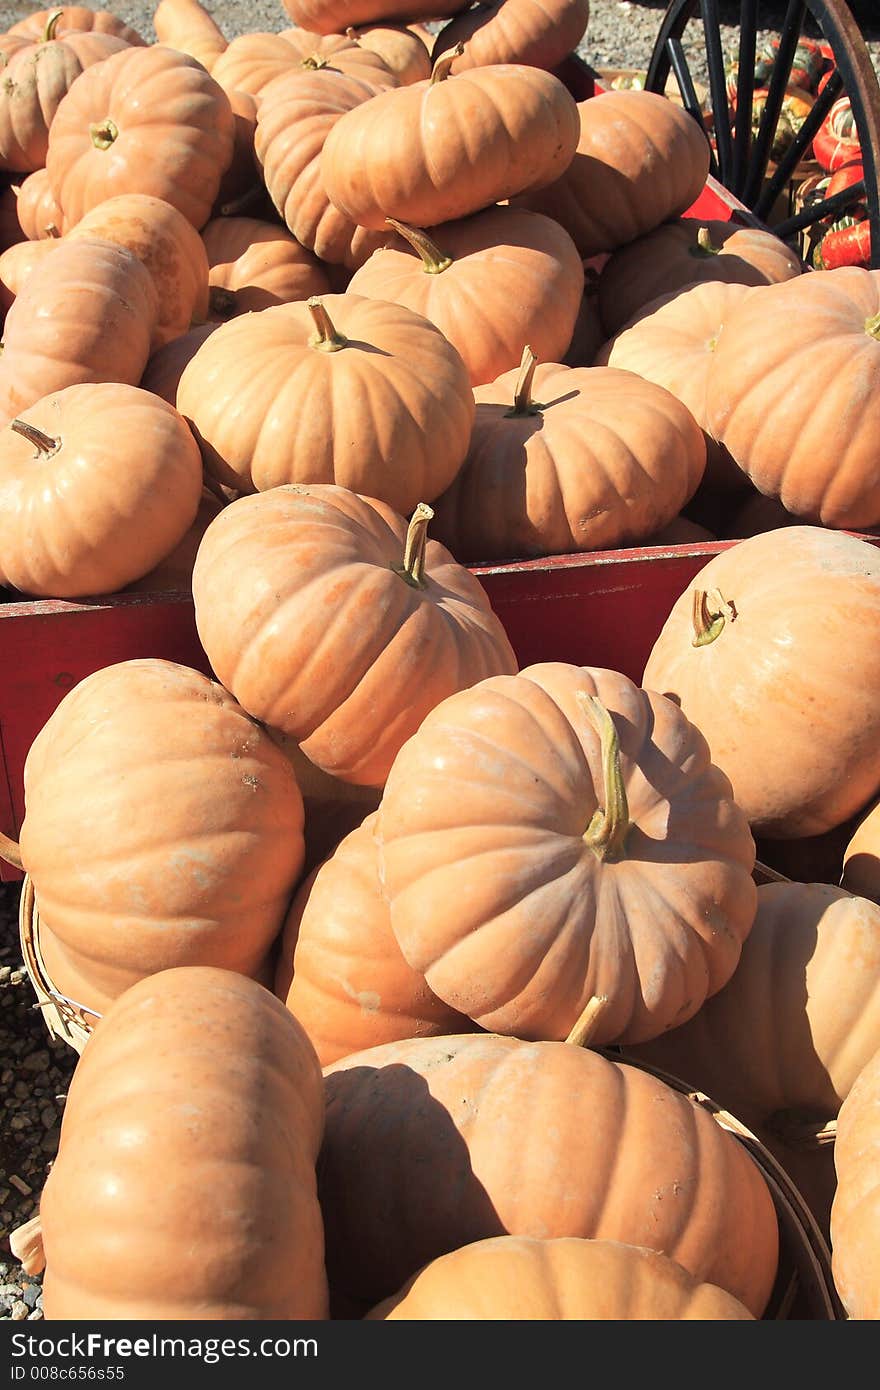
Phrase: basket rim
x=65 y=1018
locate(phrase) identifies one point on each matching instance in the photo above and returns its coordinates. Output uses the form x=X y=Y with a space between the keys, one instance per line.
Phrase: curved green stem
x=705 y=245
x=434 y=261
x=413 y=568
x=104 y=133
x=326 y=338
x=315 y=62
x=606 y=834
x=872 y=326
x=522 y=396
x=710 y=613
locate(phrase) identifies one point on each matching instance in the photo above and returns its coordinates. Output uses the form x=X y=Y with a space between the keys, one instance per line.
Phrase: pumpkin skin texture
x=532 y=923
x=340 y=970
x=813 y=448
x=640 y=161
x=335 y=16
x=38 y=213
x=173 y=574
x=77 y=19
x=255 y=264
x=238 y=1234
x=187 y=26
x=522 y=1278
x=254 y=60
x=295 y=116
x=411 y=153
x=229 y=837
x=165 y=366
x=506 y=278
x=861 y=858
x=402 y=51
x=423 y=1153
x=389 y=413
x=17 y=264
x=539 y=33
x=783 y=694
x=242 y=180
x=569 y=459
x=106 y=139
x=685 y=252
x=126 y=519
x=855 y=1212
x=88 y=313
x=354 y=675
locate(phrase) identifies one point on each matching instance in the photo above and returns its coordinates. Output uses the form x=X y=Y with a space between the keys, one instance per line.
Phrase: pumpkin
x=76 y=19
x=351 y=675
x=293 y=121
x=61 y=458
x=803 y=425
x=568 y=459
x=390 y=408
x=170 y=248
x=187 y=26
x=758 y=513
x=681 y=531
x=173 y=573
x=539 y=33
x=672 y=342
x=253 y=60
x=148 y=120
x=861 y=856
x=333 y=807
x=242 y=184
x=35 y=80
x=255 y=264
x=88 y=313
x=640 y=161
x=38 y=213
x=335 y=16
x=238 y=1233
x=165 y=366
x=16 y=265
x=490 y=283
x=855 y=1213
x=339 y=968
x=402 y=51
x=682 y=253
x=607 y=872
x=426 y=1150
x=523 y=1278
x=758 y=650
x=205 y=879
x=11 y=232
x=412 y=152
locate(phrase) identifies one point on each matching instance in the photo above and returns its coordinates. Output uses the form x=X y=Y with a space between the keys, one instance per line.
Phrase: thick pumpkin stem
x=413 y=567
x=872 y=326
x=522 y=396
x=705 y=245
x=443 y=66
x=10 y=851
x=800 y=1131
x=237 y=206
x=326 y=339
x=48 y=33
x=711 y=612
x=26 y=1244
x=606 y=834
x=43 y=443
x=104 y=133
x=584 y=1030
x=433 y=259
x=314 y=62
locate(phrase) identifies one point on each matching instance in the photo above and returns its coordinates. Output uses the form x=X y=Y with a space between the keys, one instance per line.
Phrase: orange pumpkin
x=165 y=366
x=522 y=1278
x=238 y=1233
x=173 y=573
x=566 y=459
x=539 y=33
x=17 y=264
x=426 y=1149
x=390 y=408
x=607 y=867
x=38 y=213
x=228 y=841
x=81 y=511
x=855 y=1213
x=861 y=858
x=148 y=120
x=76 y=19
x=255 y=264
x=335 y=16
x=253 y=60
x=495 y=281
x=402 y=51
x=758 y=651
x=242 y=184
x=186 y=25
x=411 y=153
x=409 y=625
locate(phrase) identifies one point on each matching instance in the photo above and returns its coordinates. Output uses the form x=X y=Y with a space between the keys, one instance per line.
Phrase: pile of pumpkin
x=384 y=934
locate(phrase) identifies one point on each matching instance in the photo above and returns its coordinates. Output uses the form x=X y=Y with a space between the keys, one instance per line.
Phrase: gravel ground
x=35 y=1072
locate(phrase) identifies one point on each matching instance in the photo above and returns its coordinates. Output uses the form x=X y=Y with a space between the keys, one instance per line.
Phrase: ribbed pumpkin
x=201 y=1074
x=558 y=840
x=165 y=366
x=343 y=389
x=682 y=253
x=569 y=459
x=427 y=1148
x=17 y=264
x=490 y=283
x=861 y=860
x=187 y=26
x=333 y=622
x=640 y=161
x=253 y=60
x=76 y=19
x=148 y=120
x=203 y=880
x=411 y=153
x=760 y=651
x=855 y=1213
x=295 y=117
x=804 y=425
x=38 y=213
x=255 y=264
x=88 y=313
x=539 y=33
x=335 y=16
x=173 y=573
x=339 y=968
x=522 y=1278
x=97 y=484
x=402 y=51
x=241 y=187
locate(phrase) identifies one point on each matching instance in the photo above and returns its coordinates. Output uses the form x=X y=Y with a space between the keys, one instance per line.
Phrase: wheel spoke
x=673 y=26
x=690 y=100
x=788 y=41
x=718 y=89
x=799 y=145
x=808 y=216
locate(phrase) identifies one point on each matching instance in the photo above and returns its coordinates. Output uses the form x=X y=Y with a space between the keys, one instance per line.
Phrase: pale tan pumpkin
x=253 y=60
x=255 y=264
x=38 y=213
x=76 y=19
x=537 y=32
x=187 y=26
x=173 y=573
x=402 y=51
x=855 y=1213
x=16 y=265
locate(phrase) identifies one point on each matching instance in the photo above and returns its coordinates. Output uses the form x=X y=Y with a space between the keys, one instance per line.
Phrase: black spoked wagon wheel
x=747 y=103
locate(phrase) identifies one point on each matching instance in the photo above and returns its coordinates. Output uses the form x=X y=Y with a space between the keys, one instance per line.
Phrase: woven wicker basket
x=64 y=1018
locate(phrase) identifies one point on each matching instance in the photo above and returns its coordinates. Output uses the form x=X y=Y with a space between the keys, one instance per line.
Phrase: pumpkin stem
x=800 y=1131
x=26 y=1244
x=52 y=229
x=584 y=1030
x=48 y=33
x=413 y=567
x=443 y=65
x=711 y=612
x=705 y=245
x=606 y=834
x=10 y=851
x=433 y=259
x=43 y=443
x=222 y=301
x=314 y=62
x=103 y=133
x=522 y=396
x=212 y=486
x=326 y=338
x=245 y=201
x=872 y=326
